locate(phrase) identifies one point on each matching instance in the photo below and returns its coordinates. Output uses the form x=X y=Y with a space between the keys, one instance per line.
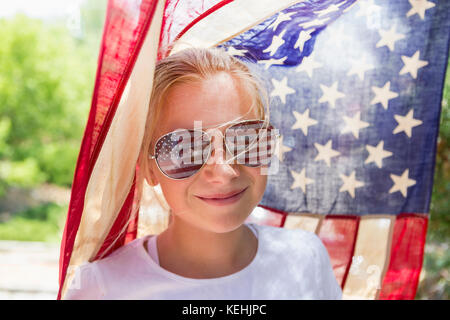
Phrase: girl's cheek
x=258 y=178
x=262 y=185
x=175 y=193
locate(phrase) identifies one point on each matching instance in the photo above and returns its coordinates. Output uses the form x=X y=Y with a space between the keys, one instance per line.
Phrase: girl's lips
x=223 y=201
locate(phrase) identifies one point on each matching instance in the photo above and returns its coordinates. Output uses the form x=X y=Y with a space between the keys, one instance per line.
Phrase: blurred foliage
x=436 y=265
x=92 y=20
x=46 y=84
x=435 y=273
x=42 y=223
x=439 y=223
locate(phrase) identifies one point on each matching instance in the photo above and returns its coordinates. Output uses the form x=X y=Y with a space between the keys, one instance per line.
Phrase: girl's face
x=213 y=102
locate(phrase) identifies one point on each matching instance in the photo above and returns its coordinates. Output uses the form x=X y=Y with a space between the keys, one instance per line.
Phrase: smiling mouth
x=223 y=199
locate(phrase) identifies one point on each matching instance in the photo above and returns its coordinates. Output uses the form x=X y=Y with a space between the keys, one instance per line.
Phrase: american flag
x=355 y=87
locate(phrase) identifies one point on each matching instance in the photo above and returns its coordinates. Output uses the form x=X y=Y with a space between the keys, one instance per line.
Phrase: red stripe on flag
x=267 y=217
x=122 y=39
x=338 y=234
x=406 y=257
x=179 y=16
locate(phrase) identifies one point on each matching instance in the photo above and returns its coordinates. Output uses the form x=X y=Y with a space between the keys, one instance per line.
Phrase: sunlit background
x=48 y=55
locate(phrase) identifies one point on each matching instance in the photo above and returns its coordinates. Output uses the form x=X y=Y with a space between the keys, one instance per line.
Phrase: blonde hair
x=194 y=65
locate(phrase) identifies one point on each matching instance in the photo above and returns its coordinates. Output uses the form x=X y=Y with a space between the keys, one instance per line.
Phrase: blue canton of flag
x=355 y=91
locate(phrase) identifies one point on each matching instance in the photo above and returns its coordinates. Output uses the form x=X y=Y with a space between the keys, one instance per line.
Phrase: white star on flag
x=377 y=154
x=331 y=94
x=280 y=18
x=303 y=121
x=412 y=64
x=359 y=67
x=402 y=183
x=281 y=89
x=389 y=37
x=277 y=42
x=236 y=52
x=350 y=184
x=325 y=152
x=419 y=7
x=354 y=124
x=281 y=149
x=383 y=95
x=302 y=38
x=313 y=23
x=271 y=62
x=308 y=65
x=331 y=8
x=406 y=123
x=300 y=180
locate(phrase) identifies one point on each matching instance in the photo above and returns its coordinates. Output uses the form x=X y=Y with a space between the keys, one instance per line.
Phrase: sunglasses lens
x=181 y=154
x=252 y=143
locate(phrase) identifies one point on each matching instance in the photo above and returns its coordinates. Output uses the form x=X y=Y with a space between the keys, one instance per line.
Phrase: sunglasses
x=182 y=153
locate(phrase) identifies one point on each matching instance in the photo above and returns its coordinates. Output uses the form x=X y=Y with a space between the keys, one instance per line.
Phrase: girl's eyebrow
x=222 y=124
x=203 y=127
x=192 y=127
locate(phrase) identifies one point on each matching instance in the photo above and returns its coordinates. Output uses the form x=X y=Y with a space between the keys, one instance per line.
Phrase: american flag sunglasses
x=182 y=153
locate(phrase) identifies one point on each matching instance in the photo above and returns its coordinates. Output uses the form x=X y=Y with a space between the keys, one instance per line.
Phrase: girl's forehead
x=211 y=102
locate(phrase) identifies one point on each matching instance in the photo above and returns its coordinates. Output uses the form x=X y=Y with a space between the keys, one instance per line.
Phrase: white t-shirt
x=289 y=264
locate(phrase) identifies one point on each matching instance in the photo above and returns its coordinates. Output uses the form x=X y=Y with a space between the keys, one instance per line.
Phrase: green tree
x=46 y=82
x=436 y=265
x=92 y=20
x=439 y=224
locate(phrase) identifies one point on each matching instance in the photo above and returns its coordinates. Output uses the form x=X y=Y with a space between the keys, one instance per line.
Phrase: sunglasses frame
x=153 y=156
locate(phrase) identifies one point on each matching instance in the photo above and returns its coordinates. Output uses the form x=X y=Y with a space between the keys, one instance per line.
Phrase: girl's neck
x=198 y=253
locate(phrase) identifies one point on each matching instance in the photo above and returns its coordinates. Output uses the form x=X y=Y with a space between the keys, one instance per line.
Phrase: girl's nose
x=217 y=168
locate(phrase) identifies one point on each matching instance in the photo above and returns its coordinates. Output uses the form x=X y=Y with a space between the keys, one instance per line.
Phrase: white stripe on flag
x=371 y=255
x=308 y=222
x=224 y=24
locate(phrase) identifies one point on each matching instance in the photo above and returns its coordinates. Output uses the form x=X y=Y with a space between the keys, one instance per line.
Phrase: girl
x=206 y=109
